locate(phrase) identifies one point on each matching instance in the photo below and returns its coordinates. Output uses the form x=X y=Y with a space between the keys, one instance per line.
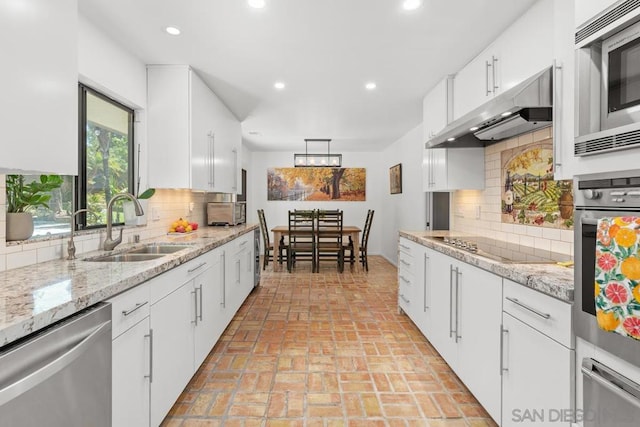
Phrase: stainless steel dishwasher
x=60 y=376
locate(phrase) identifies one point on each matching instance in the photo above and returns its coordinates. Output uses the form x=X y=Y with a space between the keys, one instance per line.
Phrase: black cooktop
x=499 y=250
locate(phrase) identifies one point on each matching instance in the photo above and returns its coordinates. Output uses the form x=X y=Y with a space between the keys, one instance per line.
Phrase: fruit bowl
x=182 y=226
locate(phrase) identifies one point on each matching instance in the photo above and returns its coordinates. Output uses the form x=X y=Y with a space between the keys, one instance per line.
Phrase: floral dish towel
x=617 y=276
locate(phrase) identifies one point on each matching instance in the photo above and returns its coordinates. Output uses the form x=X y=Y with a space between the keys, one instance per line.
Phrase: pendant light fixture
x=326 y=160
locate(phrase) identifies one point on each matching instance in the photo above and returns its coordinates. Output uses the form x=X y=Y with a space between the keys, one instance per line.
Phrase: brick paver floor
x=325 y=349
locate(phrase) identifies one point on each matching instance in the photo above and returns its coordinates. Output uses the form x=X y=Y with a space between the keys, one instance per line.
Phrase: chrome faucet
x=71 y=247
x=109 y=242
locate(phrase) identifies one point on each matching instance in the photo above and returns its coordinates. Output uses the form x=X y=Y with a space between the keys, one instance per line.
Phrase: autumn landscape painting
x=317 y=184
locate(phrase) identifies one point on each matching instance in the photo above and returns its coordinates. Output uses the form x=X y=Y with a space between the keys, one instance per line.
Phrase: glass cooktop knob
x=592 y=194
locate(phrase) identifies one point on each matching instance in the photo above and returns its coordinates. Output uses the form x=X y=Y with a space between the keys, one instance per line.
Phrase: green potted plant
x=23 y=198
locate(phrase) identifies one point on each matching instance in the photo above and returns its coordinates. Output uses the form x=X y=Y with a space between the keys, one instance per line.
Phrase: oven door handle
x=611 y=386
x=589 y=221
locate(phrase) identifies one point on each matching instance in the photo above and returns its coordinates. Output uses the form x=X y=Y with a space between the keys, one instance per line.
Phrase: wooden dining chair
x=362 y=256
x=329 y=237
x=268 y=254
x=302 y=240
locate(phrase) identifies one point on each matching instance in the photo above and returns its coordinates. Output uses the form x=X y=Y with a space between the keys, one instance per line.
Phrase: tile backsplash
x=479 y=211
x=169 y=205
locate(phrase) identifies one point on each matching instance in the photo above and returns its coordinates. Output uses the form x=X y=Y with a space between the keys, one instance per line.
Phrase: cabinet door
x=526 y=47
x=168 y=126
x=130 y=376
x=39 y=86
x=456 y=169
x=201 y=134
x=472 y=85
x=477 y=324
x=210 y=321
x=435 y=108
x=537 y=375
x=172 y=324
x=563 y=86
x=442 y=297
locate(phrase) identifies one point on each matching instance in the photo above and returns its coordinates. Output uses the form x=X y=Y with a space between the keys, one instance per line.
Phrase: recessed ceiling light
x=254 y=132
x=279 y=85
x=473 y=128
x=256 y=4
x=451 y=139
x=506 y=113
x=411 y=4
x=370 y=86
x=174 y=31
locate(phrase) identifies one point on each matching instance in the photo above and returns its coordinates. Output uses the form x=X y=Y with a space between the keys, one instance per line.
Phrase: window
x=106 y=156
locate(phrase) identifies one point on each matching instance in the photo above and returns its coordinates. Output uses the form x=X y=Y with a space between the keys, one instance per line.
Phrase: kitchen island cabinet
x=40 y=86
x=190 y=125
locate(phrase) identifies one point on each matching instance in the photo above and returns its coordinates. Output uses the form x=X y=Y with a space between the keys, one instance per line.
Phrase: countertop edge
x=552 y=280
x=14 y=326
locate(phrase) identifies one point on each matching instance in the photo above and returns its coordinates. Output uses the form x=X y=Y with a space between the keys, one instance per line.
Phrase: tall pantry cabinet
x=194 y=140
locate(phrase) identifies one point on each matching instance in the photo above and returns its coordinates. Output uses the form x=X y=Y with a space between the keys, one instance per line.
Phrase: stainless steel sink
x=145 y=253
x=158 y=248
x=125 y=257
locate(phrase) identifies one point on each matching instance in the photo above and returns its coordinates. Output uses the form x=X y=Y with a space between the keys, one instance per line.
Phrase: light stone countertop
x=550 y=279
x=34 y=297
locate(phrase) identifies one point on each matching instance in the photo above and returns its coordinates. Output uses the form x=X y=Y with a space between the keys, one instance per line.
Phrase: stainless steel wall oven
x=598 y=196
x=609 y=398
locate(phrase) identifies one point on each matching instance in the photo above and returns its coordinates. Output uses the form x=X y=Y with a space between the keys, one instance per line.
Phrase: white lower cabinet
x=536 y=385
x=130 y=382
x=537 y=360
x=164 y=329
x=458 y=308
x=173 y=339
x=131 y=357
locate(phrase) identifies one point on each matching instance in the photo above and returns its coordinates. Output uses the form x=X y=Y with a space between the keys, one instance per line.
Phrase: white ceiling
x=324 y=50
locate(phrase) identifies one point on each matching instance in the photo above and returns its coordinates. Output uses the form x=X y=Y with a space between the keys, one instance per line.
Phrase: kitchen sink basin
x=158 y=249
x=145 y=253
x=125 y=257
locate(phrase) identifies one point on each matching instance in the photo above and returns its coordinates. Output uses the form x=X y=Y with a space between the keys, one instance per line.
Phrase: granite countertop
x=550 y=279
x=36 y=296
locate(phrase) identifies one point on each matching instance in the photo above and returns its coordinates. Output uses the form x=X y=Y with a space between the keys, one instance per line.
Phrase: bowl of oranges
x=182 y=226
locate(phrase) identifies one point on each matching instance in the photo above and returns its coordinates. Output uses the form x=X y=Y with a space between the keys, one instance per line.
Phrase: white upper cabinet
x=474 y=84
x=563 y=88
x=39 y=86
x=587 y=9
x=437 y=108
x=448 y=169
x=193 y=137
x=521 y=50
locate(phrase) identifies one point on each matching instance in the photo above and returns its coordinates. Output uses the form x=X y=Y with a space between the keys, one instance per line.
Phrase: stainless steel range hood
x=521 y=109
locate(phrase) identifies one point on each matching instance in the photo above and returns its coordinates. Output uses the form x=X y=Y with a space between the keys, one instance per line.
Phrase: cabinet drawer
x=171 y=280
x=404 y=296
x=129 y=308
x=406 y=246
x=405 y=264
x=546 y=314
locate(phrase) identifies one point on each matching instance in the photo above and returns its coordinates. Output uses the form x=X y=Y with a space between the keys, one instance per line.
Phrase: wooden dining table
x=347 y=230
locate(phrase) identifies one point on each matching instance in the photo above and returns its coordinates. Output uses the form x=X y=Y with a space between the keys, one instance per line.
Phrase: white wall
x=405 y=211
x=354 y=212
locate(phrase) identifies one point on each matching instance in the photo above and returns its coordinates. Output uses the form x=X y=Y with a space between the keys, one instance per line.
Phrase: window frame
x=80 y=196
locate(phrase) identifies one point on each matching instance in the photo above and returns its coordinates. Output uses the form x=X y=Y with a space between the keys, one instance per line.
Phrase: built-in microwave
x=608 y=81
x=621 y=78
